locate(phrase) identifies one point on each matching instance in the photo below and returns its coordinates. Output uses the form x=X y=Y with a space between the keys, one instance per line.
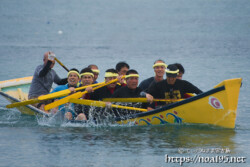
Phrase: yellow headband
x=160 y=64
x=132 y=75
x=96 y=70
x=87 y=73
x=111 y=74
x=172 y=72
x=73 y=72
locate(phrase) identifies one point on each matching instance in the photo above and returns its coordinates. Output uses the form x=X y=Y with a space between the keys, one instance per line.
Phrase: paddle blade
x=63 y=101
x=23 y=103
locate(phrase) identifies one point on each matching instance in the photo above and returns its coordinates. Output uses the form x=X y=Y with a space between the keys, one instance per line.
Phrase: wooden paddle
x=75 y=95
x=61 y=64
x=138 y=100
x=103 y=104
x=65 y=92
x=48 y=96
x=23 y=103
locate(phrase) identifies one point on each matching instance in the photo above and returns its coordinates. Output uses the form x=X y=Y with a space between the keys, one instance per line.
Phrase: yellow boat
x=215 y=107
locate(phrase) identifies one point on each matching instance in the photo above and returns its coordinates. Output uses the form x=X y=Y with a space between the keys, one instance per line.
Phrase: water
x=210 y=38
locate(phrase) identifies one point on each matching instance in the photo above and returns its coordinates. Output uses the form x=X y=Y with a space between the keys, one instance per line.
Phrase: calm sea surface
x=211 y=38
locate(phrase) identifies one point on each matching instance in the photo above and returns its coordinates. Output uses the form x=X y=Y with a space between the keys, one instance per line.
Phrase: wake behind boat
x=217 y=106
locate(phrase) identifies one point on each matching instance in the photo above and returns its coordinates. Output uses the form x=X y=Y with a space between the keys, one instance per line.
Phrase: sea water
x=211 y=39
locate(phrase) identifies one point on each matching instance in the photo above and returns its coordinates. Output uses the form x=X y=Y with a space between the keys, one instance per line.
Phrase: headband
x=87 y=73
x=132 y=75
x=172 y=72
x=111 y=74
x=160 y=64
x=96 y=70
x=73 y=72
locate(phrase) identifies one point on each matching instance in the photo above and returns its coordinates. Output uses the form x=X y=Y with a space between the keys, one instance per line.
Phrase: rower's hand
x=108 y=105
x=150 y=98
x=51 y=56
x=89 y=89
x=120 y=79
x=72 y=90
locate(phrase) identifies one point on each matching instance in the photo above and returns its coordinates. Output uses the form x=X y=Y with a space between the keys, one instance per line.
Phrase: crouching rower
x=73 y=80
x=171 y=88
x=107 y=91
x=87 y=78
x=131 y=90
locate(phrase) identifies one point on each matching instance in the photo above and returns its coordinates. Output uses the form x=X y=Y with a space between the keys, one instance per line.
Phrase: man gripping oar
x=44 y=77
x=132 y=90
x=171 y=88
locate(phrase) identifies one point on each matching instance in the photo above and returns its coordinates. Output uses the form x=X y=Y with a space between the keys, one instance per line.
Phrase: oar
x=48 y=96
x=61 y=64
x=75 y=95
x=103 y=104
x=137 y=100
x=64 y=92
x=23 y=103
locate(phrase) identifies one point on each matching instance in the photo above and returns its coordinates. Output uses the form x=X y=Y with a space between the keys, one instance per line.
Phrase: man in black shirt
x=131 y=90
x=171 y=88
x=159 y=69
x=107 y=91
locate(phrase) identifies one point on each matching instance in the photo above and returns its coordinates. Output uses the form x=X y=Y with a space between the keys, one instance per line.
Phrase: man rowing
x=96 y=72
x=171 y=88
x=107 y=91
x=44 y=76
x=159 y=69
x=87 y=78
x=131 y=90
x=122 y=68
x=73 y=81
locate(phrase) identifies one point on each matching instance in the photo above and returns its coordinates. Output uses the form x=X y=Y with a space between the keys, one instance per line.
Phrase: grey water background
x=211 y=38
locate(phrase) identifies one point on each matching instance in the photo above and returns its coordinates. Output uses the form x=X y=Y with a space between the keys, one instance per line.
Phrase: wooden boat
x=217 y=106
x=16 y=90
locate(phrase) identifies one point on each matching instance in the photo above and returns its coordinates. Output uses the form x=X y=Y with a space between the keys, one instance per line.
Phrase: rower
x=43 y=78
x=171 y=88
x=107 y=91
x=73 y=80
x=87 y=78
x=159 y=69
x=122 y=68
x=96 y=72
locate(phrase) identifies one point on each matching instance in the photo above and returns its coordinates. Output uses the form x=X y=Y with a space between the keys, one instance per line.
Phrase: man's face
x=132 y=82
x=159 y=71
x=87 y=80
x=73 y=79
x=123 y=71
x=96 y=74
x=108 y=79
x=171 y=80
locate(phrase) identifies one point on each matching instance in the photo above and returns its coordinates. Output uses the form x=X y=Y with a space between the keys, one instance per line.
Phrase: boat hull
x=16 y=90
x=216 y=107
